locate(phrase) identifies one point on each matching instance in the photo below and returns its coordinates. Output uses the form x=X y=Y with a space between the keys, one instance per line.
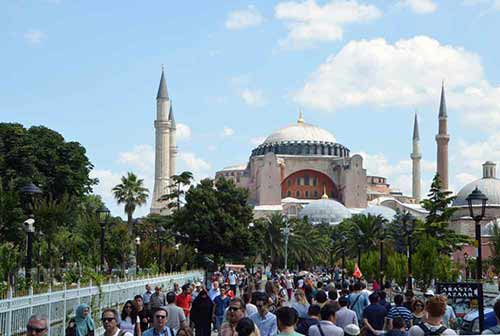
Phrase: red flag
x=357 y=272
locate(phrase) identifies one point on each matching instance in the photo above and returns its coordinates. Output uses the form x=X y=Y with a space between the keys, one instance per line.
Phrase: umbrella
x=303 y=273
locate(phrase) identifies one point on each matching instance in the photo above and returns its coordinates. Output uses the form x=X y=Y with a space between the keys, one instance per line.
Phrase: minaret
x=173 y=147
x=162 y=147
x=442 y=139
x=416 y=157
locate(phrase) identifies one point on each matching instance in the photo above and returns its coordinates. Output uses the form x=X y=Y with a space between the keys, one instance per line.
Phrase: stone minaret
x=163 y=155
x=442 y=139
x=173 y=147
x=416 y=157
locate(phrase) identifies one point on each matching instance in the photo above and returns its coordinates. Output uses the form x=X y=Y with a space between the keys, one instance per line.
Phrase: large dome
x=326 y=211
x=380 y=210
x=489 y=186
x=300 y=132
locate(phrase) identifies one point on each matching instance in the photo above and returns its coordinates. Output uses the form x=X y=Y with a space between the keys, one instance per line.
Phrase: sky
x=238 y=70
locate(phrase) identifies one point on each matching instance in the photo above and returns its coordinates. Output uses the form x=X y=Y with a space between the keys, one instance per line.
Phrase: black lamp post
x=160 y=231
x=29 y=193
x=137 y=244
x=343 y=239
x=477 y=207
x=102 y=217
x=466 y=263
x=409 y=226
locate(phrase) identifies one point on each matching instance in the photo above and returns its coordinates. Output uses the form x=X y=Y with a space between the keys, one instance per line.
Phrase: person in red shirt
x=184 y=300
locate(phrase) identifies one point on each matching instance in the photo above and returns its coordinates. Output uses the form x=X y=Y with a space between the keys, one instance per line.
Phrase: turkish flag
x=357 y=272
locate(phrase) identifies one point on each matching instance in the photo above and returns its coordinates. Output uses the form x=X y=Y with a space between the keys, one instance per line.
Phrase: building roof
x=416 y=135
x=241 y=166
x=326 y=211
x=300 y=131
x=489 y=186
x=380 y=210
x=171 y=117
x=442 y=104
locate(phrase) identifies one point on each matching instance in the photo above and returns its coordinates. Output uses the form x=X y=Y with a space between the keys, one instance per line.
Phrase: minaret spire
x=301 y=117
x=442 y=140
x=162 y=89
x=416 y=158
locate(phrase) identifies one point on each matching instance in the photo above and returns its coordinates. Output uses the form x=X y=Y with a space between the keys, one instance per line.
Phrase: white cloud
x=227 y=131
x=199 y=167
x=141 y=157
x=420 y=6
x=183 y=132
x=244 y=18
x=257 y=140
x=309 y=22
x=380 y=74
x=107 y=181
x=252 y=97
x=494 y=4
x=211 y=148
x=34 y=36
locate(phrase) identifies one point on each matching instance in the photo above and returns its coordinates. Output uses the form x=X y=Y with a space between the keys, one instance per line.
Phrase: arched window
x=297 y=194
x=289 y=193
x=307 y=194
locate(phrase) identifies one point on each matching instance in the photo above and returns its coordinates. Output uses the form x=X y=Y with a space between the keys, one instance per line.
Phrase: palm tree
x=132 y=193
x=364 y=232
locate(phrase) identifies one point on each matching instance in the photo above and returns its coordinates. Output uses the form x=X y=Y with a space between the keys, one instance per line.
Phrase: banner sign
x=460 y=290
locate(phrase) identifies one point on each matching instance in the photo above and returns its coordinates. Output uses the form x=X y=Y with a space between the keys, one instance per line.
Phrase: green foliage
x=9 y=259
x=11 y=217
x=370 y=262
x=495 y=246
x=132 y=193
x=177 y=189
x=397 y=267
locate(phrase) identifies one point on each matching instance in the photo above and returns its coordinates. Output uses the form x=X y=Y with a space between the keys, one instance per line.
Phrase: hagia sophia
x=303 y=170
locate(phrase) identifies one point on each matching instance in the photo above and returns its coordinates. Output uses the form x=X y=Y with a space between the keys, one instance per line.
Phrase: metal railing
x=59 y=306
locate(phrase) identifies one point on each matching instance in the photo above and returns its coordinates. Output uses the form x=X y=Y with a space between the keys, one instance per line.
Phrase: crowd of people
x=244 y=304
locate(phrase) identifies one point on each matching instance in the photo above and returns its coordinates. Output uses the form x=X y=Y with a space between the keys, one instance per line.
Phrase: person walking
x=159 y=325
x=287 y=318
x=144 y=315
x=300 y=305
x=184 y=301
x=157 y=299
x=146 y=297
x=399 y=310
x=175 y=315
x=418 y=312
x=235 y=312
x=214 y=291
x=130 y=321
x=435 y=308
x=221 y=302
x=82 y=324
x=374 y=316
x=250 y=308
x=496 y=328
x=345 y=316
x=327 y=326
x=110 y=320
x=246 y=327
x=313 y=317
x=264 y=319
x=201 y=314
x=358 y=301
x=37 y=325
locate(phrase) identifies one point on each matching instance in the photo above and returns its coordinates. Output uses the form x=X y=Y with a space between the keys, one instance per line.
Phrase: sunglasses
x=160 y=316
x=233 y=309
x=33 y=329
x=107 y=319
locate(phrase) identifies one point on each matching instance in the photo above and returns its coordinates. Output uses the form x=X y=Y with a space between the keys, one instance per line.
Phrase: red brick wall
x=290 y=186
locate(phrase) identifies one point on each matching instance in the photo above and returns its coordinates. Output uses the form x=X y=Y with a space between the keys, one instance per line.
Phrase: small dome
x=488 y=186
x=300 y=132
x=326 y=211
x=376 y=210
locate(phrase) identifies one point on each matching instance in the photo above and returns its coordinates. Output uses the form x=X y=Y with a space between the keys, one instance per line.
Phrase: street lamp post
x=102 y=217
x=177 y=246
x=160 y=231
x=409 y=226
x=286 y=233
x=343 y=240
x=137 y=244
x=29 y=192
x=477 y=207
x=466 y=264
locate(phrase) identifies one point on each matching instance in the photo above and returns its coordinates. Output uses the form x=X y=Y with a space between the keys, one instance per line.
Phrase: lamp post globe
x=477 y=207
x=29 y=192
x=102 y=214
x=137 y=244
x=160 y=231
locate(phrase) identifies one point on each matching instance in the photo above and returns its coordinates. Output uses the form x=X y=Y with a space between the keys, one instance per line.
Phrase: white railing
x=60 y=306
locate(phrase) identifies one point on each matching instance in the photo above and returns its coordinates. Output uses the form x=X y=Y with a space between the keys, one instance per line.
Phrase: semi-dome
x=300 y=132
x=380 y=210
x=489 y=185
x=326 y=211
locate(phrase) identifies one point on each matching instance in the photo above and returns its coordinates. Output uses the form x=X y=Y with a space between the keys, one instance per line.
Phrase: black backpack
x=428 y=332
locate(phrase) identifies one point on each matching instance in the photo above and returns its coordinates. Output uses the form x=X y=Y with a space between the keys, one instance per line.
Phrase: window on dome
x=306 y=180
x=298 y=180
x=307 y=194
x=297 y=194
x=289 y=182
x=315 y=181
x=315 y=194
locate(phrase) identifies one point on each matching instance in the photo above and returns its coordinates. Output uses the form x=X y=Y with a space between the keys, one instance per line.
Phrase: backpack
x=428 y=332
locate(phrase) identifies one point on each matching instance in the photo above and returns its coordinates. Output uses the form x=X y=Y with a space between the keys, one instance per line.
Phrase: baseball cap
x=351 y=330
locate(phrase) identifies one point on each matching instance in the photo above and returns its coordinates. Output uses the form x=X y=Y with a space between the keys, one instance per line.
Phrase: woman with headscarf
x=82 y=324
x=201 y=314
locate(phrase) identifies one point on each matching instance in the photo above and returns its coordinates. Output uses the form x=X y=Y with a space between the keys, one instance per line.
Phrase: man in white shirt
x=435 y=308
x=326 y=326
x=344 y=316
x=175 y=315
x=214 y=291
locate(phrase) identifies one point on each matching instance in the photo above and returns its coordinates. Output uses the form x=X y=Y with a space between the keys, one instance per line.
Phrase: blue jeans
x=218 y=321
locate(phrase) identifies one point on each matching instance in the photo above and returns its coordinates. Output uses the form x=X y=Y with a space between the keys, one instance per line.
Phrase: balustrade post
x=49 y=313
x=9 y=314
x=64 y=309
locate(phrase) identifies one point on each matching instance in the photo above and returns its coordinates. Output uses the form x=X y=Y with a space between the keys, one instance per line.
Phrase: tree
x=216 y=218
x=11 y=216
x=132 y=193
x=177 y=189
x=495 y=246
x=9 y=261
x=364 y=231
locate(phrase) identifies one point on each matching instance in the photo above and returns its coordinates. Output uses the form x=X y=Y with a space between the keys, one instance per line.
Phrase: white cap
x=351 y=329
x=429 y=292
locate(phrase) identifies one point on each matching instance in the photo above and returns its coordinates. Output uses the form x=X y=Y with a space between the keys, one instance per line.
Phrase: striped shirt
x=400 y=311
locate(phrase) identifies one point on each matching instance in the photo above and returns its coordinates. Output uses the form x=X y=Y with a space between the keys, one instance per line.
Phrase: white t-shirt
x=449 y=314
x=126 y=325
x=417 y=331
x=126 y=333
x=250 y=309
x=232 y=279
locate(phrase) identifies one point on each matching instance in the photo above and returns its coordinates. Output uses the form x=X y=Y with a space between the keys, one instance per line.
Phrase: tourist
x=327 y=327
x=495 y=329
x=184 y=300
x=250 y=308
x=435 y=308
x=147 y=297
x=398 y=328
x=300 y=305
x=351 y=330
x=82 y=324
x=358 y=301
x=344 y=315
x=144 y=315
x=221 y=302
x=287 y=318
x=157 y=299
x=409 y=298
x=313 y=317
x=159 y=325
x=289 y=287
x=265 y=320
x=399 y=310
x=37 y=325
x=375 y=286
x=110 y=319
x=184 y=331
x=246 y=327
x=130 y=321
x=332 y=295
x=449 y=317
x=214 y=291
x=177 y=290
x=418 y=312
x=382 y=294
x=321 y=298
x=175 y=315
x=235 y=312
x=374 y=316
x=232 y=277
x=201 y=314
x=272 y=293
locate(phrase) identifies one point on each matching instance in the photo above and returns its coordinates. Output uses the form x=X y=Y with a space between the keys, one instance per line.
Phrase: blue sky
x=237 y=70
